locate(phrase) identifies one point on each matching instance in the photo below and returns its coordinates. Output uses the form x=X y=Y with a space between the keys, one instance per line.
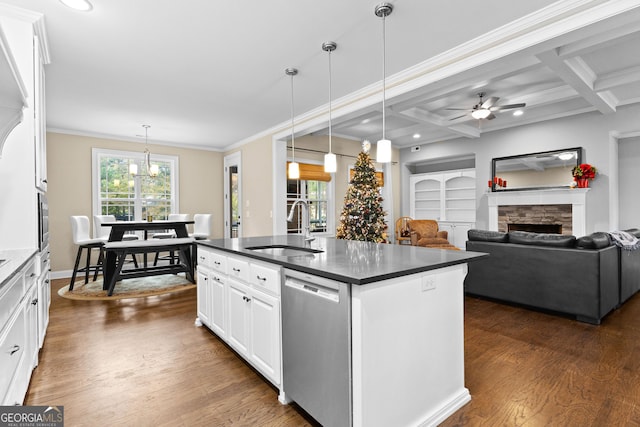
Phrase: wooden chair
x=403 y=233
x=424 y=232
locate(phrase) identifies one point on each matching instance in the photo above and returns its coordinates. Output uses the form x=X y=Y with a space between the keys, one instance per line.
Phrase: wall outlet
x=428 y=284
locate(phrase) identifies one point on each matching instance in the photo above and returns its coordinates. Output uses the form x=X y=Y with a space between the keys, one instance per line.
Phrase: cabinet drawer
x=218 y=262
x=266 y=278
x=204 y=257
x=10 y=296
x=238 y=268
x=12 y=347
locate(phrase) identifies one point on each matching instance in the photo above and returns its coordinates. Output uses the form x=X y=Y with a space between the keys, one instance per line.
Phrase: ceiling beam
x=600 y=41
x=577 y=74
x=617 y=78
x=425 y=117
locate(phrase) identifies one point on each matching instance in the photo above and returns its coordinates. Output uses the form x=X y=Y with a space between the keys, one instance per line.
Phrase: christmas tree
x=362 y=216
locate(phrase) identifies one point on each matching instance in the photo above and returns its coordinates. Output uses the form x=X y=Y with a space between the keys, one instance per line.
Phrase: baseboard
x=64 y=274
x=448 y=409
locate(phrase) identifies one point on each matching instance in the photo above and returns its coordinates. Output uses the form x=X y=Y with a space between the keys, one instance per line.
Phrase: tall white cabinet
x=449 y=198
x=24 y=288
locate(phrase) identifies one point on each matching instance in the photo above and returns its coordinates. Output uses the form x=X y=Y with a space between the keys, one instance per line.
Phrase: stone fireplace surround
x=576 y=198
x=551 y=218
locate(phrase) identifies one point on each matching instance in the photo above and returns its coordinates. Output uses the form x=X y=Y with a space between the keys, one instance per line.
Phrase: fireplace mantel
x=576 y=197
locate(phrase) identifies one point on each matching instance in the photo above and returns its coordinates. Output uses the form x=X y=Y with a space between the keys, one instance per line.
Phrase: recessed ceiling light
x=81 y=5
x=518 y=113
x=365 y=121
x=416 y=135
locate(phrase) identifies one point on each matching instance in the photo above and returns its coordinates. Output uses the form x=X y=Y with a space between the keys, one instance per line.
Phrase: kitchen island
x=356 y=333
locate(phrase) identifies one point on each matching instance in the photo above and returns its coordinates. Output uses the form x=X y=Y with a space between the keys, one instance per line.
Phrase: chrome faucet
x=307 y=225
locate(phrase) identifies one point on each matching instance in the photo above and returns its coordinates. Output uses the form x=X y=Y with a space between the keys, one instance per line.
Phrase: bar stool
x=102 y=233
x=201 y=226
x=169 y=235
x=80 y=232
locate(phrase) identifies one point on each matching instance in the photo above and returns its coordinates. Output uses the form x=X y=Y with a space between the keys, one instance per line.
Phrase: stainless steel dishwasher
x=316 y=346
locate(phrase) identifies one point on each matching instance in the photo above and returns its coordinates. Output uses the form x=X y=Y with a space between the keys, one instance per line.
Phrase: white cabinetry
x=449 y=198
x=19 y=332
x=457 y=232
x=239 y=300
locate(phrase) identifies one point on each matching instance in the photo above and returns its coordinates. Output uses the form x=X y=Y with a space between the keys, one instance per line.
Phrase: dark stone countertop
x=348 y=261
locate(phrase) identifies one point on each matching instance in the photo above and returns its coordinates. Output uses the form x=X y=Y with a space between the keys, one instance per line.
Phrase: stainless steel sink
x=285 y=250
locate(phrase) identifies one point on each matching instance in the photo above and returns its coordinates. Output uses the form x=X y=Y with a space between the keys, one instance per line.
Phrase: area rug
x=128 y=288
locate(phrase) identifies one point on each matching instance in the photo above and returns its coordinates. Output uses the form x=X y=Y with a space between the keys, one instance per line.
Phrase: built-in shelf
x=13 y=95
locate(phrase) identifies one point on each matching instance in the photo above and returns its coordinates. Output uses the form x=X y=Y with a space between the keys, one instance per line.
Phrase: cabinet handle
x=34 y=302
x=14 y=349
x=237 y=270
x=246 y=299
x=32 y=275
x=264 y=279
x=201 y=258
x=44 y=180
x=218 y=263
x=46 y=281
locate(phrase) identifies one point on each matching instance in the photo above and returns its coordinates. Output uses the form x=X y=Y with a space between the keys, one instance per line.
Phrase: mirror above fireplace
x=535 y=171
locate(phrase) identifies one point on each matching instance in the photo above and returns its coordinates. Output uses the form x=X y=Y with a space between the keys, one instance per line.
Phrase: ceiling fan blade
x=490 y=117
x=457 y=109
x=458 y=117
x=489 y=102
x=508 y=107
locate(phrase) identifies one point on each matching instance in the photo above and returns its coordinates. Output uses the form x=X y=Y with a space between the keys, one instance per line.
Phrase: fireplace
x=556 y=218
x=536 y=228
x=573 y=221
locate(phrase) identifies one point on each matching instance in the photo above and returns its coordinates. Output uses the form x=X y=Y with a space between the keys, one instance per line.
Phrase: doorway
x=232 y=195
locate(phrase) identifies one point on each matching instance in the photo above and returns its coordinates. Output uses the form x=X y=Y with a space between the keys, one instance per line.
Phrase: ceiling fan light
x=81 y=5
x=383 y=151
x=330 y=163
x=294 y=170
x=481 y=113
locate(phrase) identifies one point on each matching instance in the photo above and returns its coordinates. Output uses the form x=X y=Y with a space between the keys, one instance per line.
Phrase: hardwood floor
x=142 y=362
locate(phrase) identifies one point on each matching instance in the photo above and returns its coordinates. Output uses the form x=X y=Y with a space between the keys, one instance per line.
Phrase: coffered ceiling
x=211 y=75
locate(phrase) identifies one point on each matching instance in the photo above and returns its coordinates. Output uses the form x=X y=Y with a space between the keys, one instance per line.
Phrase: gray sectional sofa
x=586 y=277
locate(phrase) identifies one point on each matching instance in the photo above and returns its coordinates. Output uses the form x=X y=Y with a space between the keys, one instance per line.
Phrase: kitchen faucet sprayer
x=307 y=226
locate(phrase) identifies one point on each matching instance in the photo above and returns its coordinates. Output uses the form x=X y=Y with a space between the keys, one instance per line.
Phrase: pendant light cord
x=293 y=138
x=384 y=74
x=329 y=101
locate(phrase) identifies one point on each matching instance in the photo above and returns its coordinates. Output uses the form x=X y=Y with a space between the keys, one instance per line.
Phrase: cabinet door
x=44 y=301
x=239 y=311
x=265 y=334
x=218 y=304
x=31 y=330
x=204 y=296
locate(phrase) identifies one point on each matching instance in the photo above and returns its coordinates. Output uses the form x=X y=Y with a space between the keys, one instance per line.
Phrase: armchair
x=424 y=232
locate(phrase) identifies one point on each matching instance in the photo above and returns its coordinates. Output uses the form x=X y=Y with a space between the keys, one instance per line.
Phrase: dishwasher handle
x=313 y=289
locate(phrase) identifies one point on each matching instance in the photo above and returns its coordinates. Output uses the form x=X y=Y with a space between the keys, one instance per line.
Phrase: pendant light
x=152 y=170
x=330 y=161
x=383 y=151
x=294 y=168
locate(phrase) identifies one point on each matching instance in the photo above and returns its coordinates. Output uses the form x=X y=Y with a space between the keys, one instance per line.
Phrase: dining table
x=119 y=228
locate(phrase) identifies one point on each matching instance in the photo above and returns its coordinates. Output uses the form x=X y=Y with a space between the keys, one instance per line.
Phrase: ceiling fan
x=484 y=108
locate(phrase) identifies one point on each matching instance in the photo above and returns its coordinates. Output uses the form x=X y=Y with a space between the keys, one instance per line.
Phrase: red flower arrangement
x=584 y=171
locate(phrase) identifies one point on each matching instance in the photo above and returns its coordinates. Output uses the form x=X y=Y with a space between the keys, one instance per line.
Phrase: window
x=129 y=198
x=317 y=193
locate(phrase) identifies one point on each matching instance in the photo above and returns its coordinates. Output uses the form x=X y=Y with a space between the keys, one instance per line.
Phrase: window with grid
x=133 y=198
x=316 y=192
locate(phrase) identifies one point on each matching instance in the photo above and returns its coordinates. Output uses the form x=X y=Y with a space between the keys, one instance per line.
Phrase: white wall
x=591 y=131
x=629 y=159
